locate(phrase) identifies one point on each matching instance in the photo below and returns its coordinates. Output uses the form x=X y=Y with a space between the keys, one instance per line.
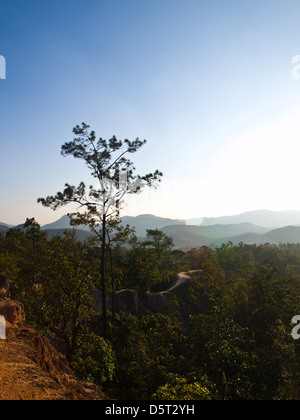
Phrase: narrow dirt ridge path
x=182 y=278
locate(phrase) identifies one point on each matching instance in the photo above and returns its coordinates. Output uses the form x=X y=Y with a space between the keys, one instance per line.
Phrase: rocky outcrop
x=13 y=312
x=139 y=303
x=4 y=284
x=134 y=301
x=31 y=369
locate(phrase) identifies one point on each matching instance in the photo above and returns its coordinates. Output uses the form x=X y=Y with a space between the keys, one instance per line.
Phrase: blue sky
x=208 y=84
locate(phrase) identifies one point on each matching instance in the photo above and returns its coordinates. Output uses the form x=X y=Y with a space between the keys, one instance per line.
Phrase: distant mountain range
x=267 y=218
x=262 y=226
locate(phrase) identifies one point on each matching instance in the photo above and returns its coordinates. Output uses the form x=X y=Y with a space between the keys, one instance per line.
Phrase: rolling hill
x=148 y=221
x=287 y=234
x=81 y=235
x=185 y=236
x=53 y=229
x=4 y=228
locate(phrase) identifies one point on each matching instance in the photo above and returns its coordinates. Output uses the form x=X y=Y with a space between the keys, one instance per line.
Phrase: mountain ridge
x=268 y=218
x=212 y=232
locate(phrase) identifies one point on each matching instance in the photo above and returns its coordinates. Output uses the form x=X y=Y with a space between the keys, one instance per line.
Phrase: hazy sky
x=209 y=84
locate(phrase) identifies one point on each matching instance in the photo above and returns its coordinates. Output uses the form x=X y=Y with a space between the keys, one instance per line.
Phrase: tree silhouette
x=115 y=176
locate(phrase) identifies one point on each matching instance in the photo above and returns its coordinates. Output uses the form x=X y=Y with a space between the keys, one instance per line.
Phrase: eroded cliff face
x=139 y=303
x=134 y=301
x=30 y=368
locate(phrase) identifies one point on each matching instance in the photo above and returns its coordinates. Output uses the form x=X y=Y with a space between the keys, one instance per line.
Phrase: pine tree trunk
x=113 y=284
x=104 y=308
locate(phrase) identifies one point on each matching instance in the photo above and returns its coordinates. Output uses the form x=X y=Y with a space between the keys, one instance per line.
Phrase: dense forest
x=226 y=336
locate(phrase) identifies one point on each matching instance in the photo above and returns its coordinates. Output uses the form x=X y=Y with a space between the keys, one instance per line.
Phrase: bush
x=179 y=389
x=94 y=361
